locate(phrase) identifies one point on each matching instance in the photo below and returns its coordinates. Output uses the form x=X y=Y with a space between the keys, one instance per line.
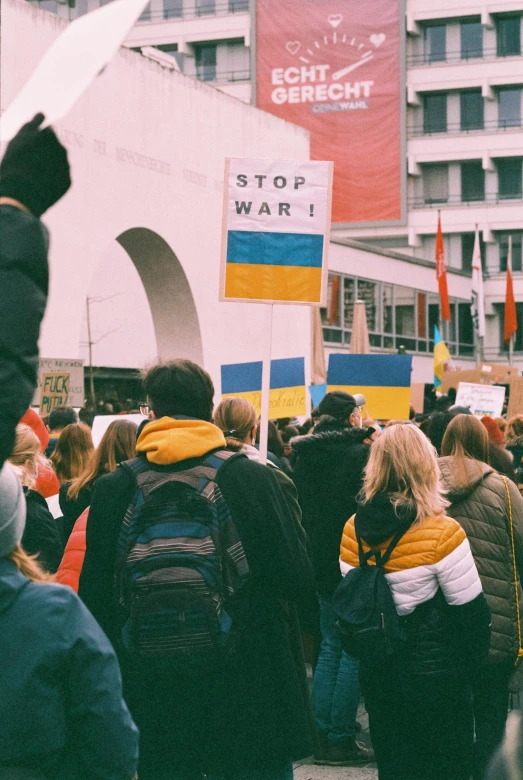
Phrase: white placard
x=72 y=62
x=75 y=369
x=102 y=422
x=482 y=400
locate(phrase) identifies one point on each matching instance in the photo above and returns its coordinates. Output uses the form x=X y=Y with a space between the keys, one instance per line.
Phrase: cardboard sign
x=54 y=391
x=482 y=400
x=515 y=401
x=417 y=396
x=71 y=63
x=287 y=396
x=384 y=380
x=75 y=370
x=488 y=373
x=276 y=224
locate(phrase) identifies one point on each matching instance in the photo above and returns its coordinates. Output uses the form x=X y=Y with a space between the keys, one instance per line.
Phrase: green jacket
x=479 y=503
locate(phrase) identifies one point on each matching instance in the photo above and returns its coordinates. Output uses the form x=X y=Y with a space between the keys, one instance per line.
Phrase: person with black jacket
x=328 y=473
x=248 y=718
x=34 y=174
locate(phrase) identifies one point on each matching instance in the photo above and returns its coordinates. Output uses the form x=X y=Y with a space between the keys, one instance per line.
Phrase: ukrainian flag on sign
x=274 y=266
x=384 y=380
x=287 y=394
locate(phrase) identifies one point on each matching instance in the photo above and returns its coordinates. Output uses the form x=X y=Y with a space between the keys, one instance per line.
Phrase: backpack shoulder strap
x=381 y=558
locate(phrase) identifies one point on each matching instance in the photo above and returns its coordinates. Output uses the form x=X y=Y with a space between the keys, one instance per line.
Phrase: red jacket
x=71 y=566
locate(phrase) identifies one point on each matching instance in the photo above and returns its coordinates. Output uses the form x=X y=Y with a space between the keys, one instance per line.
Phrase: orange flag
x=334 y=304
x=441 y=274
x=511 y=321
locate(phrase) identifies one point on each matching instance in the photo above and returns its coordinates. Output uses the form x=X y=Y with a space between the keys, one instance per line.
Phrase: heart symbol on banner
x=293 y=46
x=335 y=19
x=377 y=39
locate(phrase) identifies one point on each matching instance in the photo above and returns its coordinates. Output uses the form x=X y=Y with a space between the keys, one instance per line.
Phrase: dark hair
x=180 y=387
x=455 y=410
x=274 y=440
x=434 y=428
x=61 y=417
x=86 y=416
x=288 y=433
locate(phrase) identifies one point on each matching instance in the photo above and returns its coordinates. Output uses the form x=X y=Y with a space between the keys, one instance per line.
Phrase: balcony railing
x=451 y=128
x=202 y=9
x=454 y=56
x=223 y=76
x=457 y=200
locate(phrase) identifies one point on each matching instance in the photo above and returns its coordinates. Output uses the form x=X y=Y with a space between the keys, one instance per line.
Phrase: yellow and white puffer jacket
x=430 y=569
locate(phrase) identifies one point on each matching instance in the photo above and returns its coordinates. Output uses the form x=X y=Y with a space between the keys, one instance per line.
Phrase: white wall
x=147 y=149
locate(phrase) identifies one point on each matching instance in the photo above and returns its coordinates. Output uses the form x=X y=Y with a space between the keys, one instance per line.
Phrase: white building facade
x=464 y=73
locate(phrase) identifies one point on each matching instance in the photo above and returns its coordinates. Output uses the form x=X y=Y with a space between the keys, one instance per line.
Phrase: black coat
x=41 y=535
x=72 y=508
x=328 y=474
x=23 y=296
x=258 y=709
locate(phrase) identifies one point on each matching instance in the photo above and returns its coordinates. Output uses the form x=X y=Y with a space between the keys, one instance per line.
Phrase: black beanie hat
x=337 y=404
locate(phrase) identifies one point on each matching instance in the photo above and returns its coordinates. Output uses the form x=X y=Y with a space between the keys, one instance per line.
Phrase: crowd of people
x=157 y=591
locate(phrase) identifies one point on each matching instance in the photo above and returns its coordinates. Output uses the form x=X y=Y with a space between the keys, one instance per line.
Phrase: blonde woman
x=418 y=702
x=42 y=534
x=61 y=710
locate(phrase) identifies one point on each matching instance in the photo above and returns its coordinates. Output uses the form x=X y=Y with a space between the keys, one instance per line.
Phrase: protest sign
x=487 y=373
x=71 y=63
x=54 y=391
x=317 y=394
x=417 y=396
x=384 y=380
x=515 y=401
x=75 y=370
x=103 y=421
x=276 y=224
x=482 y=400
x=287 y=396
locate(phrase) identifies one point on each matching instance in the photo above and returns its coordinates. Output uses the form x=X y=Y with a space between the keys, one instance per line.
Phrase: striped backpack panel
x=180 y=561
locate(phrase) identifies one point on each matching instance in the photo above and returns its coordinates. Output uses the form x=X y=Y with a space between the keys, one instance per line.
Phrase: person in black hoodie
x=328 y=474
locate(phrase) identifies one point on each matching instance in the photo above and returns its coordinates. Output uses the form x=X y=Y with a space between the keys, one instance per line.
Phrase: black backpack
x=369 y=625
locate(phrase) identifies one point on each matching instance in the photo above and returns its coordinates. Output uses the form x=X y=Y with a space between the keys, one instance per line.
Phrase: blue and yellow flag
x=384 y=380
x=441 y=356
x=287 y=395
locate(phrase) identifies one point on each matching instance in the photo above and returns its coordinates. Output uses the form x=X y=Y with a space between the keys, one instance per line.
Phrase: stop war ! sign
x=276 y=224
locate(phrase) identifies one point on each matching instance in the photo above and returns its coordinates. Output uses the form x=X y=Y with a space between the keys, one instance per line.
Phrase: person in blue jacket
x=62 y=715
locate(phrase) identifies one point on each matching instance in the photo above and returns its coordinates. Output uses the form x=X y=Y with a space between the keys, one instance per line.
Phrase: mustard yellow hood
x=169 y=441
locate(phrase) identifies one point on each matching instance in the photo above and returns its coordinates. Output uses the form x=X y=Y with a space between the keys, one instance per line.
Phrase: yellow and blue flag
x=441 y=356
x=384 y=380
x=287 y=394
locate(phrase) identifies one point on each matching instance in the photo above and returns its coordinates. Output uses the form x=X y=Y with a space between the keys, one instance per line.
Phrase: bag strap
x=381 y=558
x=515 y=570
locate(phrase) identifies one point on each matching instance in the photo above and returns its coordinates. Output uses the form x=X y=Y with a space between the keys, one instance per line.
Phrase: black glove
x=34 y=169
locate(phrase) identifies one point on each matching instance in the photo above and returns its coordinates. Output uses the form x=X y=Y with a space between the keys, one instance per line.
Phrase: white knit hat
x=12 y=510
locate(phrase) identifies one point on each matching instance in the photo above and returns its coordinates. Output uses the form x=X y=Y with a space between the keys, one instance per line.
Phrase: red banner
x=334 y=68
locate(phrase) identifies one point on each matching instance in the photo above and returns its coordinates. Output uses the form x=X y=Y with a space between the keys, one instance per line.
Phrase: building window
x=471 y=110
x=472 y=181
x=509 y=178
x=168 y=48
x=436 y=183
x=508 y=32
x=436 y=43
x=205 y=56
x=471 y=34
x=396 y=316
x=238 y=5
x=172 y=9
x=204 y=7
x=435 y=113
x=467 y=250
x=509 y=107
x=517 y=241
